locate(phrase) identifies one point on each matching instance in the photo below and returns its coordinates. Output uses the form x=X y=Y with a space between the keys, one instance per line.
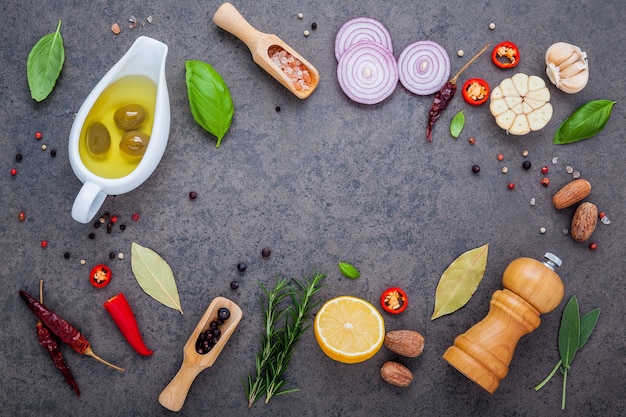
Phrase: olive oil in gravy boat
x=146 y=57
x=174 y=395
x=228 y=18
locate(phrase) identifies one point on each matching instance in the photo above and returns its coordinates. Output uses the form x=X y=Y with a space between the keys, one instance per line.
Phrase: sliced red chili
x=394 y=300
x=476 y=91
x=100 y=276
x=505 y=55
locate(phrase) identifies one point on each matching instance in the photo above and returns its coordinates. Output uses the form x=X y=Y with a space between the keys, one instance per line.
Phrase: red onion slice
x=361 y=29
x=367 y=72
x=424 y=67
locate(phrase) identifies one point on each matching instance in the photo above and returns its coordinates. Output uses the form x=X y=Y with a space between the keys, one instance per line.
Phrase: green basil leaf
x=44 y=64
x=569 y=332
x=457 y=123
x=209 y=98
x=348 y=270
x=587 y=121
x=587 y=324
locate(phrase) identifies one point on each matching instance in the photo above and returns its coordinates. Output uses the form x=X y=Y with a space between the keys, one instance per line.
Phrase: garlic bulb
x=567 y=67
x=520 y=104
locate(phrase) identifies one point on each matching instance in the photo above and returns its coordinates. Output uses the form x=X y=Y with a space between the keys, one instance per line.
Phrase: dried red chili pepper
x=49 y=342
x=505 y=55
x=394 y=300
x=62 y=329
x=123 y=316
x=443 y=96
x=475 y=91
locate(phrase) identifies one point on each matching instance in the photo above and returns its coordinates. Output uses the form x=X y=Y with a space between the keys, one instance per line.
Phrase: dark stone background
x=323 y=180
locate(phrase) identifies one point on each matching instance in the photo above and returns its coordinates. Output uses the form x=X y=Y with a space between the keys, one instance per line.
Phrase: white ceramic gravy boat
x=146 y=57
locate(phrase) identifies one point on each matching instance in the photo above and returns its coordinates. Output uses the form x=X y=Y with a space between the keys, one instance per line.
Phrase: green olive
x=129 y=117
x=98 y=140
x=134 y=143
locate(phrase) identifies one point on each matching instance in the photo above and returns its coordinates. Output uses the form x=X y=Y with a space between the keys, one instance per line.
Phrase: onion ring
x=367 y=72
x=361 y=29
x=424 y=67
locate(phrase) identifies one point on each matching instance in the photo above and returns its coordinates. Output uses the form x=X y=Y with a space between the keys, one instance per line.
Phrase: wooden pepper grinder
x=484 y=352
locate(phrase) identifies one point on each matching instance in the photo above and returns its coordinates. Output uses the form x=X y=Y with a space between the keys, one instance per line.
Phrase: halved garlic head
x=567 y=67
x=520 y=104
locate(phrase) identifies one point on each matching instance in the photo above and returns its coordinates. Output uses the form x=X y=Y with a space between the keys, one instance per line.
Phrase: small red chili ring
x=100 y=276
x=505 y=55
x=394 y=300
x=483 y=91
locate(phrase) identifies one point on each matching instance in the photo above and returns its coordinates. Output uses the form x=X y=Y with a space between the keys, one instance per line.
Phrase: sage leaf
x=209 y=98
x=155 y=276
x=587 y=324
x=348 y=270
x=460 y=280
x=457 y=124
x=586 y=121
x=44 y=64
x=569 y=332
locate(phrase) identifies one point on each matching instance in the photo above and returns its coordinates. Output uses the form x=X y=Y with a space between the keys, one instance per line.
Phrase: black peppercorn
x=265 y=252
x=112 y=255
x=475 y=169
x=234 y=285
x=313 y=25
x=18 y=156
x=92 y=236
x=53 y=153
x=526 y=164
x=241 y=267
x=122 y=227
x=66 y=255
x=193 y=195
x=277 y=109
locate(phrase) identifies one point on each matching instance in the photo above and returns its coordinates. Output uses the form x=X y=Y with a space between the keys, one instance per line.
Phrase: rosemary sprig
x=278 y=344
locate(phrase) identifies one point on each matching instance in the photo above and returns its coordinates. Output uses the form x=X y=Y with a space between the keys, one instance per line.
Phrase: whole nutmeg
x=396 y=374
x=567 y=67
x=571 y=193
x=405 y=342
x=584 y=221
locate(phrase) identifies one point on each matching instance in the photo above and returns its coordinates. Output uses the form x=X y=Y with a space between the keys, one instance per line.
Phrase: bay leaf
x=569 y=332
x=155 y=276
x=460 y=280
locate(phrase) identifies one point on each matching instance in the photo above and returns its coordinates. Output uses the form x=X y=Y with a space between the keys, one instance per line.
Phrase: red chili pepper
x=443 y=97
x=49 y=342
x=505 y=55
x=394 y=300
x=100 y=276
x=62 y=329
x=123 y=316
x=476 y=91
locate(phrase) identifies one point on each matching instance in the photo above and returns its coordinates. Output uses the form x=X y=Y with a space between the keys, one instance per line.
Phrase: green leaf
x=569 y=332
x=155 y=276
x=348 y=270
x=457 y=123
x=460 y=280
x=587 y=121
x=209 y=98
x=587 y=324
x=44 y=64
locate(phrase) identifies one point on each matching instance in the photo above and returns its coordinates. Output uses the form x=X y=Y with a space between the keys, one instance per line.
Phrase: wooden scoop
x=228 y=18
x=174 y=395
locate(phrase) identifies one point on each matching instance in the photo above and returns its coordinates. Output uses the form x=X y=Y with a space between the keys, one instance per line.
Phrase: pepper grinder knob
x=484 y=352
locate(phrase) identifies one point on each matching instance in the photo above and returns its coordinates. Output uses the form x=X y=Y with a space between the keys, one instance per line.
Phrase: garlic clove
x=505 y=120
x=498 y=106
x=567 y=67
x=520 y=125
x=520 y=80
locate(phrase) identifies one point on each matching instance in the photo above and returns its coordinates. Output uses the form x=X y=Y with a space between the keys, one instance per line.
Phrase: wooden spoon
x=174 y=395
x=228 y=18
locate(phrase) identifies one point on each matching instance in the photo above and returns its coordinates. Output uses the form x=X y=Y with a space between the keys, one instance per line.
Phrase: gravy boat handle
x=87 y=202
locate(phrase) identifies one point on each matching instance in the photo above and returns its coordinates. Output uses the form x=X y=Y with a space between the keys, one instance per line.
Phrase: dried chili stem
x=470 y=62
x=89 y=352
